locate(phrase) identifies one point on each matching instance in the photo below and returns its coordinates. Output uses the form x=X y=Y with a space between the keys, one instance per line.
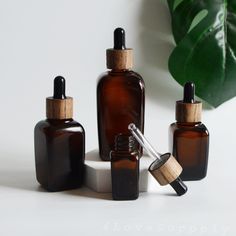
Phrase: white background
x=42 y=39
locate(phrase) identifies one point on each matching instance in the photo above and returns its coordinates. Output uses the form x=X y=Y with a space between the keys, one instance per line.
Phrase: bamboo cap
x=119 y=57
x=188 y=110
x=59 y=106
x=166 y=171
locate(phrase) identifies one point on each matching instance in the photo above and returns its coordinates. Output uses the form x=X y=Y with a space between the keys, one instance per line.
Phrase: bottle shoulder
x=189 y=127
x=59 y=125
x=129 y=76
x=134 y=155
x=42 y=124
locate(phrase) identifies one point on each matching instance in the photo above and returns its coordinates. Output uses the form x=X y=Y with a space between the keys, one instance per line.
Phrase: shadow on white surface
x=23 y=179
x=156 y=44
x=17 y=171
x=165 y=194
x=88 y=193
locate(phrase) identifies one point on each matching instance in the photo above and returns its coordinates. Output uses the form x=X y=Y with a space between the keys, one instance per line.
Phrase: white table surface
x=41 y=39
x=207 y=209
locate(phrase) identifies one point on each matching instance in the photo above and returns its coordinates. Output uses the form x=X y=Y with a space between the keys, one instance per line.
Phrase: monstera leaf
x=205 y=34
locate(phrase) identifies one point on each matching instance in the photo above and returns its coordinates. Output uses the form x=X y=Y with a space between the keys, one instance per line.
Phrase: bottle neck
x=125 y=143
x=119 y=70
x=189 y=124
x=59 y=121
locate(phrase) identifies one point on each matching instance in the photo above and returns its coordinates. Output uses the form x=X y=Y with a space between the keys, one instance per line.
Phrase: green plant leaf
x=205 y=34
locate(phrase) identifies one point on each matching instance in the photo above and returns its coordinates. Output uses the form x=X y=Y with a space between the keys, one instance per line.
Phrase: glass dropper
x=165 y=168
x=144 y=142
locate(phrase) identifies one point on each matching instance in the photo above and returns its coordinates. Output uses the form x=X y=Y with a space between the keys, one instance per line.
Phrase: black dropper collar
x=189 y=92
x=119 y=39
x=179 y=186
x=59 y=88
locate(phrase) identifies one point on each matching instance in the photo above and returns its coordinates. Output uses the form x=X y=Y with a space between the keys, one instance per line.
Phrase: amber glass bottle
x=59 y=144
x=125 y=168
x=189 y=138
x=120 y=96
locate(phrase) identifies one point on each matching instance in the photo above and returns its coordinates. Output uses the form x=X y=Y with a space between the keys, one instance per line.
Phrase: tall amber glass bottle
x=189 y=138
x=125 y=168
x=120 y=96
x=59 y=144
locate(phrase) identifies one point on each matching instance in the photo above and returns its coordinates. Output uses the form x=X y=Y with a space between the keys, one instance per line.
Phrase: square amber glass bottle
x=189 y=138
x=59 y=143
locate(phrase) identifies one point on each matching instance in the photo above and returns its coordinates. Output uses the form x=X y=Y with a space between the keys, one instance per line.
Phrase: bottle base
x=121 y=198
x=191 y=177
x=61 y=188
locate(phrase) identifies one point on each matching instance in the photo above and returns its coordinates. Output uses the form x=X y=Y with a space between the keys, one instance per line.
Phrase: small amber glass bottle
x=59 y=144
x=189 y=138
x=125 y=168
x=120 y=96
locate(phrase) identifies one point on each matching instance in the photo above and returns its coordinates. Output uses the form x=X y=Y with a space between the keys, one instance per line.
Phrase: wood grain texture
x=119 y=59
x=59 y=108
x=166 y=171
x=188 y=112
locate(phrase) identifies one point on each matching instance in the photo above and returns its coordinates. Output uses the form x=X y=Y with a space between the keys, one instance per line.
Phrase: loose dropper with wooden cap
x=165 y=169
x=120 y=96
x=188 y=137
x=59 y=143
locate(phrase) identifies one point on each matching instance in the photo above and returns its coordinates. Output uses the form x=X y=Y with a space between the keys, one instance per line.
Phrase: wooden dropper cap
x=59 y=106
x=188 y=110
x=119 y=57
x=167 y=171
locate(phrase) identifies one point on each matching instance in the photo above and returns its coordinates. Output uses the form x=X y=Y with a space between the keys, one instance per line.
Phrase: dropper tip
x=119 y=39
x=132 y=126
x=59 y=88
x=189 y=92
x=179 y=186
